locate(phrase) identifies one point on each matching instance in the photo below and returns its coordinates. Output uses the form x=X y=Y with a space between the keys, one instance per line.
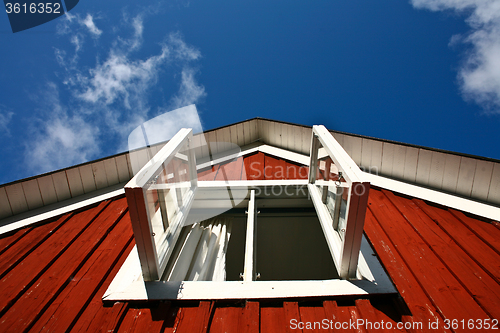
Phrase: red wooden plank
x=250 y=318
x=64 y=310
x=230 y=170
x=274 y=168
x=151 y=319
x=254 y=166
x=34 y=265
x=9 y=239
x=272 y=319
x=484 y=230
x=226 y=319
x=208 y=174
x=295 y=171
x=19 y=250
x=448 y=295
x=483 y=288
x=375 y=320
x=186 y=315
x=483 y=254
x=292 y=317
x=315 y=319
x=95 y=317
x=51 y=283
x=129 y=321
x=418 y=303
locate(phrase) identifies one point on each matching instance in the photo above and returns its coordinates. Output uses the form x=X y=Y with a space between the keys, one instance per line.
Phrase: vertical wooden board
x=138 y=158
x=255 y=131
x=438 y=163
x=356 y=143
x=387 y=158
x=203 y=145
x=398 y=164
x=87 y=178
x=288 y=134
x=111 y=171
x=272 y=319
x=16 y=197
x=196 y=145
x=339 y=137
x=376 y=161
x=450 y=175
x=225 y=319
x=250 y=318
x=264 y=131
x=423 y=166
x=212 y=143
x=99 y=173
x=240 y=134
x=75 y=182
x=233 y=134
x=482 y=178
x=297 y=140
x=129 y=165
x=366 y=154
x=466 y=175
x=122 y=168
x=5 y=210
x=246 y=133
x=32 y=194
x=47 y=189
x=306 y=135
x=411 y=160
x=348 y=145
x=315 y=315
x=494 y=191
x=226 y=135
x=61 y=185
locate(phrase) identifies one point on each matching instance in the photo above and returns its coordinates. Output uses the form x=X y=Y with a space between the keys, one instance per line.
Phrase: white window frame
x=132 y=283
x=344 y=250
x=153 y=263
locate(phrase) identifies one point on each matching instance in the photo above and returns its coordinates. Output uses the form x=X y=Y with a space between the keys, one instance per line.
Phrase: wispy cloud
x=59 y=138
x=5 y=118
x=109 y=99
x=479 y=75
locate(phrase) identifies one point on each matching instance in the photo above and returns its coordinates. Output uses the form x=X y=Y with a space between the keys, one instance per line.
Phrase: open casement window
x=340 y=196
x=159 y=199
x=183 y=226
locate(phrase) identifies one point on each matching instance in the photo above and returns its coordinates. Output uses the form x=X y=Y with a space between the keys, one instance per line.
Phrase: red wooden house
x=304 y=230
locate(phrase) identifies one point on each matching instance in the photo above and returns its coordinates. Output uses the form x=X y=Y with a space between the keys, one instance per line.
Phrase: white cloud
x=5 y=118
x=60 y=139
x=106 y=101
x=88 y=21
x=190 y=92
x=479 y=75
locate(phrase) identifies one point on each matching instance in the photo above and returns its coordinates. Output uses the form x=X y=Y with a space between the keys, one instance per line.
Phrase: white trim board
x=445 y=199
x=22 y=220
x=129 y=285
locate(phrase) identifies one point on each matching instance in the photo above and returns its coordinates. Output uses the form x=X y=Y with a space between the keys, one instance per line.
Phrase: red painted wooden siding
x=445 y=265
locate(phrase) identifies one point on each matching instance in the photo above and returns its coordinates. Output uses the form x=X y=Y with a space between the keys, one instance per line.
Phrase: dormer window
x=256 y=236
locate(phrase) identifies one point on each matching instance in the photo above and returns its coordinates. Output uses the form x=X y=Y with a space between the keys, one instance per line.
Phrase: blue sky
x=425 y=72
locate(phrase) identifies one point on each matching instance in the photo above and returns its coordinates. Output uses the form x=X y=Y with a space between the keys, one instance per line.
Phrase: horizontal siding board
x=61 y=186
x=87 y=175
x=466 y=176
x=5 y=210
x=111 y=171
x=47 y=189
x=16 y=197
x=494 y=191
x=482 y=179
x=75 y=182
x=32 y=194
